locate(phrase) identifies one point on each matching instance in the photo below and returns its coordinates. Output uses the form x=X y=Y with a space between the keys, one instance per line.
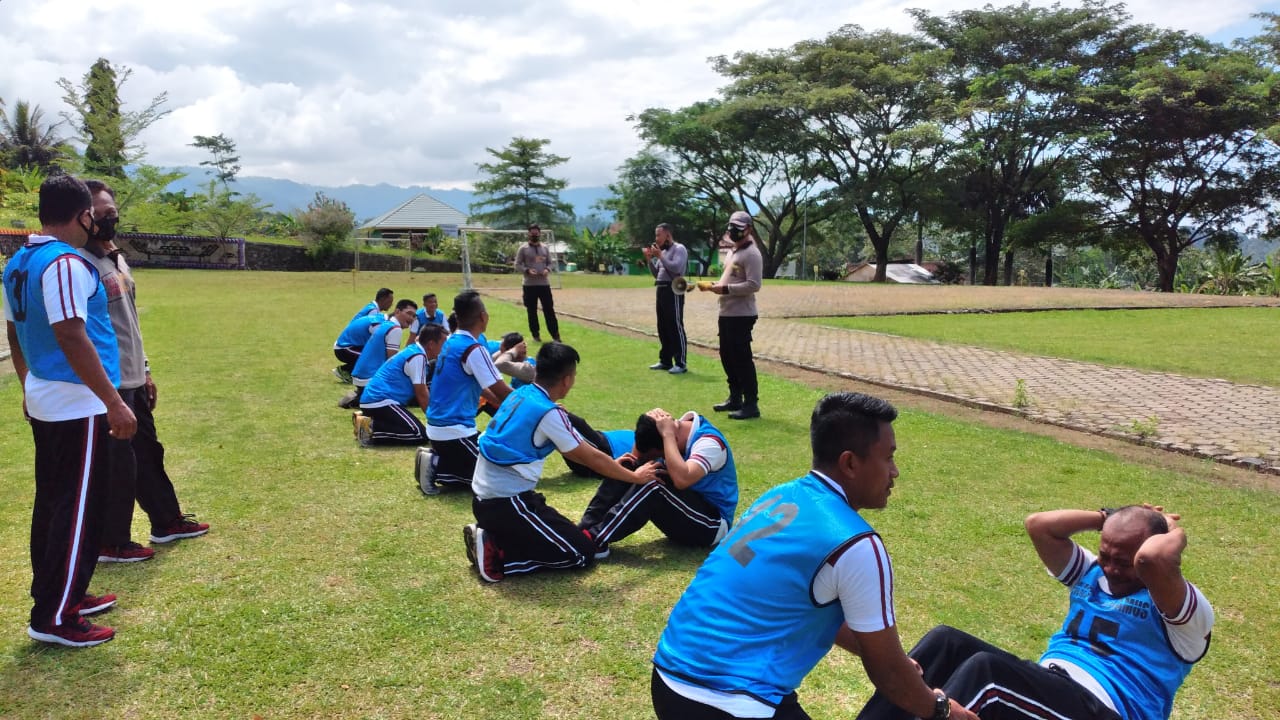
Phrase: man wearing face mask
x=667 y=261
x=737 y=288
x=65 y=355
x=533 y=262
x=137 y=466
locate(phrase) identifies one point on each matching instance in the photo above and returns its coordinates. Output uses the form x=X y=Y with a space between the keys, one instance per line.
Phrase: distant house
x=417 y=215
x=905 y=273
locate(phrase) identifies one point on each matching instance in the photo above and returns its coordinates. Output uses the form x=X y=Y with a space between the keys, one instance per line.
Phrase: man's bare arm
x=1051 y=532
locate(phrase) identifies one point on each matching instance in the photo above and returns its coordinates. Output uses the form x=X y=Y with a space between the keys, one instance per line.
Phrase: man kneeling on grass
x=515 y=530
x=404 y=380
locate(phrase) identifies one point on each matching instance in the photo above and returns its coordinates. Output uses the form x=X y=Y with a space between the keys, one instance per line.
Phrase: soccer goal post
x=489 y=256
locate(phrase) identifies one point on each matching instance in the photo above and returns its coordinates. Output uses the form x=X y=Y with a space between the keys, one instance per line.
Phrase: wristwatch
x=941 y=706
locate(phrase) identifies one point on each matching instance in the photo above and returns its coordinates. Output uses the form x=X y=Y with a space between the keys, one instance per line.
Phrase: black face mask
x=104 y=229
x=92 y=227
x=736 y=233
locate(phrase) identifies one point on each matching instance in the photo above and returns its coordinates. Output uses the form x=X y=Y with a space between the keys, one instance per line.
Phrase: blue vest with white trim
x=369 y=362
x=620 y=442
x=390 y=382
x=357 y=332
x=423 y=320
x=720 y=487
x=24 y=292
x=455 y=395
x=748 y=623
x=508 y=438
x=1121 y=642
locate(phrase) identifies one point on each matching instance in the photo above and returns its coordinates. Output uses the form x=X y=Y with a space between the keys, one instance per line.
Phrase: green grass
x=329 y=587
x=1238 y=344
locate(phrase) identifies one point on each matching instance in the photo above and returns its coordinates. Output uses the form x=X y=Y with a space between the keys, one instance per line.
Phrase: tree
x=222 y=213
x=648 y=192
x=1181 y=152
x=517 y=191
x=147 y=206
x=110 y=134
x=739 y=154
x=870 y=105
x=27 y=142
x=225 y=162
x=1015 y=75
x=326 y=226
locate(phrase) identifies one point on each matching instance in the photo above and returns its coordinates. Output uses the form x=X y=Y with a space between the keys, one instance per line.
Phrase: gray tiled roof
x=418 y=213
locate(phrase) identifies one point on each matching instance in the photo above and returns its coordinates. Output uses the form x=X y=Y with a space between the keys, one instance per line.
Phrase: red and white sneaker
x=184 y=527
x=94 y=604
x=130 y=552
x=483 y=553
x=75 y=634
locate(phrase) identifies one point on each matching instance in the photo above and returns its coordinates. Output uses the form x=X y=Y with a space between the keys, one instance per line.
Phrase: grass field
x=1238 y=344
x=330 y=588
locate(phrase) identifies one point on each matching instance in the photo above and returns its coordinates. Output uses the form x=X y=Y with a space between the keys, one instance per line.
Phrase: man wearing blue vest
x=693 y=500
x=351 y=343
x=516 y=531
x=1134 y=628
x=65 y=354
x=801 y=571
x=386 y=335
x=403 y=380
x=464 y=371
x=428 y=314
x=378 y=308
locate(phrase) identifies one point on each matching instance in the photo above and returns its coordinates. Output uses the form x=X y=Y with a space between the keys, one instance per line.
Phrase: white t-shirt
x=498 y=481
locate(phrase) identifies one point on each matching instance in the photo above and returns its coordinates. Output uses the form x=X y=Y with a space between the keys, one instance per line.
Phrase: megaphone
x=681 y=286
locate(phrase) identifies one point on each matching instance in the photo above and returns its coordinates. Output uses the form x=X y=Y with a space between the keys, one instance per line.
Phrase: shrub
x=326 y=227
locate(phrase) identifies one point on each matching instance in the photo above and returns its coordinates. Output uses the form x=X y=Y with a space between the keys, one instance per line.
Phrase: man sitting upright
x=515 y=530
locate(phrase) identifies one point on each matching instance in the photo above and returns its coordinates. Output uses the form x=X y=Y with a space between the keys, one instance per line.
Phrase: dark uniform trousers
x=735 y=357
x=456 y=459
x=533 y=535
x=620 y=509
x=137 y=472
x=347 y=356
x=395 y=425
x=66 y=520
x=671 y=338
x=992 y=683
x=533 y=294
x=671 y=705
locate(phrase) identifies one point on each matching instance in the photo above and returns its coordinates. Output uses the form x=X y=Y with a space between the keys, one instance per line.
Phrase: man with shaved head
x=1134 y=628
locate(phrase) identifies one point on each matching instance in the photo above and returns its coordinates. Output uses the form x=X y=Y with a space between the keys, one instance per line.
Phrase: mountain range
x=366 y=201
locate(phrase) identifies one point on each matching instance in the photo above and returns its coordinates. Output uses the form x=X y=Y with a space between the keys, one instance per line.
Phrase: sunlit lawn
x=329 y=587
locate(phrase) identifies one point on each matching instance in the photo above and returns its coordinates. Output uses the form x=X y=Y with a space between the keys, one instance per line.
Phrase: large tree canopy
x=1179 y=152
x=870 y=106
x=738 y=154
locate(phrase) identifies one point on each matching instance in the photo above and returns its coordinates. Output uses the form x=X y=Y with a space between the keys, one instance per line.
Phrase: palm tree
x=26 y=141
x=1229 y=273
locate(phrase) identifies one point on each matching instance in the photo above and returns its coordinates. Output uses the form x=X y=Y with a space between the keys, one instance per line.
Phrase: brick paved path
x=1229 y=422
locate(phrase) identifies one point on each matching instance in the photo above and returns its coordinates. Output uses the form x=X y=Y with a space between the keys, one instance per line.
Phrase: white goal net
x=488 y=257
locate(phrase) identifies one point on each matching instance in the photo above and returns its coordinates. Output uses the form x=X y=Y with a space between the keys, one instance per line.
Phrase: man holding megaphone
x=667 y=261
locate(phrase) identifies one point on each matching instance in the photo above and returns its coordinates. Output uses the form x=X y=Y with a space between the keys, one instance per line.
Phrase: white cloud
x=407 y=92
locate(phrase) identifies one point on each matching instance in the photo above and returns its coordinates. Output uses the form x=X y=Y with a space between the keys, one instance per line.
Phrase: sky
x=412 y=92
